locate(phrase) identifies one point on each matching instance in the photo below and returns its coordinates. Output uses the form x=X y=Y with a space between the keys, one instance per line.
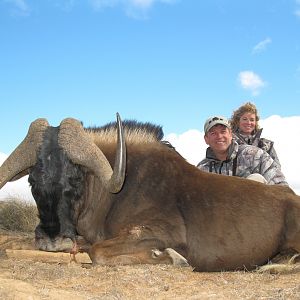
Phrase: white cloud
x=189 y=144
x=144 y=4
x=20 y=7
x=100 y=4
x=297 y=11
x=133 y=8
x=65 y=5
x=261 y=46
x=283 y=132
x=251 y=81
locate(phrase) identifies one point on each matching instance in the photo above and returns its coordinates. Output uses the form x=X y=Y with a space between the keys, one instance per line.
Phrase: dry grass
x=18 y=215
x=23 y=279
x=70 y=282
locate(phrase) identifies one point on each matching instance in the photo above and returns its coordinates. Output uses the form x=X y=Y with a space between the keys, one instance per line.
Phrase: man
x=227 y=157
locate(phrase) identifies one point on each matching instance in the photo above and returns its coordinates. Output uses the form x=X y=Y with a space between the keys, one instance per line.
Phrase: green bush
x=18 y=215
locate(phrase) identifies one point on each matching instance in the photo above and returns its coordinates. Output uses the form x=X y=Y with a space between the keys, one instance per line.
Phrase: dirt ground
x=33 y=279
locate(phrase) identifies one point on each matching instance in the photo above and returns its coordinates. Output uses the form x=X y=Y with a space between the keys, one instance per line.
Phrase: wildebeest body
x=217 y=222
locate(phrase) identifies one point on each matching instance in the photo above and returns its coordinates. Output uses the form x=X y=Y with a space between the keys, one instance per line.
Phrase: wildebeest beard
x=56 y=183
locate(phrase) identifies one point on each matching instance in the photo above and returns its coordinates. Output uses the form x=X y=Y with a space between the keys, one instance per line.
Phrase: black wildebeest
x=152 y=206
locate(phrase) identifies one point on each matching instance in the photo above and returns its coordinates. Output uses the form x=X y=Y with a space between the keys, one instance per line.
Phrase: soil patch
x=30 y=279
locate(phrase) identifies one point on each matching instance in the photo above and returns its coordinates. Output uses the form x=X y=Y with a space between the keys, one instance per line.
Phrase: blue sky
x=173 y=63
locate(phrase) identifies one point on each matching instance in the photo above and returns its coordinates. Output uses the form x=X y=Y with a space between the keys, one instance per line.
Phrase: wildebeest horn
x=25 y=155
x=81 y=149
x=118 y=176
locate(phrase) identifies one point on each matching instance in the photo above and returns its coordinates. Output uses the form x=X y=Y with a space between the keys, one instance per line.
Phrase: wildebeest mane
x=132 y=126
x=135 y=132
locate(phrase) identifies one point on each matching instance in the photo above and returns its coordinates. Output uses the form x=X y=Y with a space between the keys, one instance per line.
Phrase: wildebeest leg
x=130 y=248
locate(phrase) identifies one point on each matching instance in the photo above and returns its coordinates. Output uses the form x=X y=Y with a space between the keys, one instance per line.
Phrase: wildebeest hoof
x=281 y=268
x=177 y=259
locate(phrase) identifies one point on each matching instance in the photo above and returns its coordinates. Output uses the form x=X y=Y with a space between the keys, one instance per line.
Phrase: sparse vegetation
x=18 y=215
x=21 y=278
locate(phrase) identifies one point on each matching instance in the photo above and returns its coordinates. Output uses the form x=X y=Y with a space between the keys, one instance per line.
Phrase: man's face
x=219 y=138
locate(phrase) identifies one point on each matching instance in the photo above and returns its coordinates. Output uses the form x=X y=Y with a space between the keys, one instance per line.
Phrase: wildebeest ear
x=25 y=155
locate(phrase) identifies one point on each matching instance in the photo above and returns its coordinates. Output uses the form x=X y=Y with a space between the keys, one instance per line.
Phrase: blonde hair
x=236 y=115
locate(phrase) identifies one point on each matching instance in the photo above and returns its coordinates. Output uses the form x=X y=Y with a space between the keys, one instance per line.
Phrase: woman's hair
x=236 y=115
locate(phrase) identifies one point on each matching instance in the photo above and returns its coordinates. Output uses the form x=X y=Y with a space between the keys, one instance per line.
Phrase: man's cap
x=212 y=121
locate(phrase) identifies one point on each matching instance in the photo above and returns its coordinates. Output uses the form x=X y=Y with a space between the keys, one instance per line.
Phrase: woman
x=245 y=128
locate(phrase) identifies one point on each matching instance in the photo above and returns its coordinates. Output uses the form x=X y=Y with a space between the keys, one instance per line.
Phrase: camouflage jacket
x=242 y=161
x=257 y=141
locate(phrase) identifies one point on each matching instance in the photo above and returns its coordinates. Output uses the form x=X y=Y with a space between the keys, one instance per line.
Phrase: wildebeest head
x=54 y=158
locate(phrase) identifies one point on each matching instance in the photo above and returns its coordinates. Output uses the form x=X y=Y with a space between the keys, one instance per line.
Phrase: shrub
x=18 y=215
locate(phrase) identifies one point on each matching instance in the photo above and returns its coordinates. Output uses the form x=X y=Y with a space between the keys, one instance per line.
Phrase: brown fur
x=217 y=222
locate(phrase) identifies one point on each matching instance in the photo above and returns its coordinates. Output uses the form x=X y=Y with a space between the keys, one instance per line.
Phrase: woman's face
x=247 y=123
